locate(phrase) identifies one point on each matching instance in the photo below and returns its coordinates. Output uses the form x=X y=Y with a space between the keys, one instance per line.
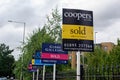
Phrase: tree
x=49 y=33
x=33 y=43
x=6 y=61
x=115 y=54
x=53 y=26
x=97 y=58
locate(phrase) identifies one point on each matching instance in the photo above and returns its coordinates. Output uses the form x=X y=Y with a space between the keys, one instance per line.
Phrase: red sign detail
x=54 y=56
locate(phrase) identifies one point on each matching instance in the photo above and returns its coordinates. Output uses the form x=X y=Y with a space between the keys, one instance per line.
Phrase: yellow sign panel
x=33 y=61
x=77 y=32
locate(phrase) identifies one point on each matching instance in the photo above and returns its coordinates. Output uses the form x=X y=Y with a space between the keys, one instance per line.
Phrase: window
x=105 y=48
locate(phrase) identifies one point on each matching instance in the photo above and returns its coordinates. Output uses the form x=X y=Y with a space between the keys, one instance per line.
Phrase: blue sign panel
x=36 y=55
x=55 y=61
x=52 y=48
x=38 y=62
x=52 y=53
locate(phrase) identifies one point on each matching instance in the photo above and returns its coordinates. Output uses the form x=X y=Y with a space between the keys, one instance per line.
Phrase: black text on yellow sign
x=77 y=32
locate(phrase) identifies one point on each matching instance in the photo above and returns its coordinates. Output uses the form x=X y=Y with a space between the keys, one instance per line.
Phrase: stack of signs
x=53 y=53
x=77 y=30
x=36 y=55
x=36 y=60
x=32 y=68
x=32 y=65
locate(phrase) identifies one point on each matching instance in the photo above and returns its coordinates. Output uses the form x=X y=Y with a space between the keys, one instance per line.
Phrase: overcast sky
x=33 y=12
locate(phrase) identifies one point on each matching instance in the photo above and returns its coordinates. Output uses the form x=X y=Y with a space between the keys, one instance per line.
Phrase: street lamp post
x=95 y=38
x=21 y=76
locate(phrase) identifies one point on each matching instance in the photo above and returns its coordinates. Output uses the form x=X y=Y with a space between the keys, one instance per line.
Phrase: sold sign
x=77 y=30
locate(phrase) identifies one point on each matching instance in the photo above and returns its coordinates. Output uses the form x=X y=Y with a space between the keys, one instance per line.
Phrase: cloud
x=109 y=34
x=19 y=10
x=32 y=12
x=10 y=35
x=107 y=14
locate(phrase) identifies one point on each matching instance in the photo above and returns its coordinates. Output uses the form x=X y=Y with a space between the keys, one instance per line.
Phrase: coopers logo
x=78 y=16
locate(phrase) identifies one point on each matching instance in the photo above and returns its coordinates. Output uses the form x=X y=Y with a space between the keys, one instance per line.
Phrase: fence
x=102 y=73
x=91 y=73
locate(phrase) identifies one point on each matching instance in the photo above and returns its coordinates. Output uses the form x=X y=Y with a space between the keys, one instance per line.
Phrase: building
x=107 y=46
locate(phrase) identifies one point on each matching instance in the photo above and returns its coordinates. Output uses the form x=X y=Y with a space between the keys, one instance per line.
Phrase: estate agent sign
x=77 y=30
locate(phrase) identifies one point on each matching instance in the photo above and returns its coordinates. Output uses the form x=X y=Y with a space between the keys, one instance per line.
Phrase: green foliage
x=98 y=57
x=118 y=42
x=50 y=33
x=53 y=26
x=115 y=55
x=34 y=42
x=6 y=60
x=102 y=62
x=54 y=29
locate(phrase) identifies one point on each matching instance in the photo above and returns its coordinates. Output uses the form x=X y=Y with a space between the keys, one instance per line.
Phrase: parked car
x=3 y=78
